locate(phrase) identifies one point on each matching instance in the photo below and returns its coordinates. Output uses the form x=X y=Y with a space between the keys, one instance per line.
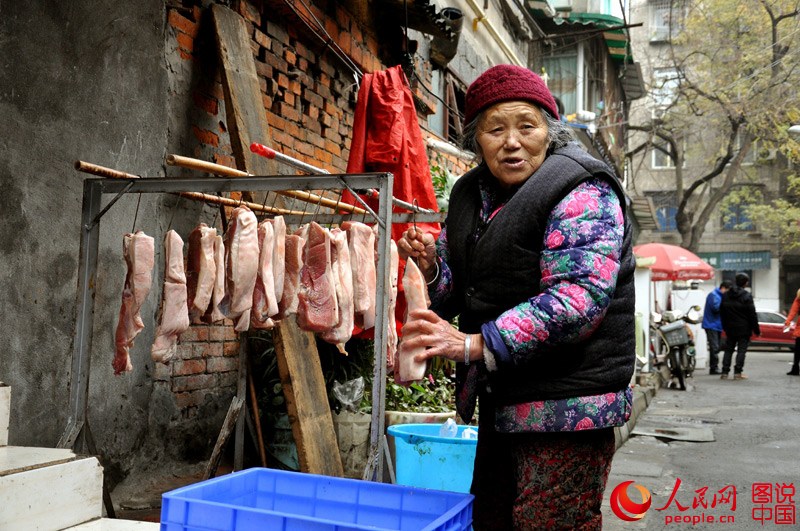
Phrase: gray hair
x=558 y=134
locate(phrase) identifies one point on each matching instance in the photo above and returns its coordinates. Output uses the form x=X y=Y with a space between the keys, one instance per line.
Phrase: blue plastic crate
x=264 y=498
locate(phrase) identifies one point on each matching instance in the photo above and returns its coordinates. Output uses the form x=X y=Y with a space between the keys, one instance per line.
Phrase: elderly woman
x=535 y=260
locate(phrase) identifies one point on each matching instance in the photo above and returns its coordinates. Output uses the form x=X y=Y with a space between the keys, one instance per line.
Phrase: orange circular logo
x=625 y=508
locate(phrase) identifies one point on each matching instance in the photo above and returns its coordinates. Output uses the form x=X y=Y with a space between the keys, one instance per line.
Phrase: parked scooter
x=672 y=341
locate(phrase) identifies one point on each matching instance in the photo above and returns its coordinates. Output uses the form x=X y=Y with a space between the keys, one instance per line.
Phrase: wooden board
x=306 y=399
x=244 y=104
x=53 y=497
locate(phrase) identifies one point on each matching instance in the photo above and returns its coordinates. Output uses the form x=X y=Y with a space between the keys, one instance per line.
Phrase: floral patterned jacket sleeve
x=580 y=260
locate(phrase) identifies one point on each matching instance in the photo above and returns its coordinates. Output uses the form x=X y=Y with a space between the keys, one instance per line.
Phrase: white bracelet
x=467 y=344
x=436 y=276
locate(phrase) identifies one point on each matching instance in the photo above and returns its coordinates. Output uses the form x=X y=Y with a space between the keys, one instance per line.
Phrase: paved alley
x=745 y=477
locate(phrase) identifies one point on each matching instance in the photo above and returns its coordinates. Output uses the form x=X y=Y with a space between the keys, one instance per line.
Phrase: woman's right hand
x=421 y=247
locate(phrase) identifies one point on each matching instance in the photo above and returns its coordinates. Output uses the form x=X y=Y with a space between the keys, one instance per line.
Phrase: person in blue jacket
x=712 y=324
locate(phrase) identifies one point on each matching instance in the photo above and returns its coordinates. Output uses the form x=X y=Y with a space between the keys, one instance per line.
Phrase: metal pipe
x=269 y=153
x=480 y=15
x=218 y=169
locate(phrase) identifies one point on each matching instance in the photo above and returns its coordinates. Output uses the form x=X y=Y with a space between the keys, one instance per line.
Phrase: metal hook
x=414 y=215
x=172 y=217
x=136 y=214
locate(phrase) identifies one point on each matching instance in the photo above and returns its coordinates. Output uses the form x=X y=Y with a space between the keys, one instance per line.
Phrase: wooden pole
x=225 y=171
x=102 y=171
x=256 y=413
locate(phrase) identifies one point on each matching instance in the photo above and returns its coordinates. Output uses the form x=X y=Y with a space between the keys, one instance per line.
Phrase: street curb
x=643 y=394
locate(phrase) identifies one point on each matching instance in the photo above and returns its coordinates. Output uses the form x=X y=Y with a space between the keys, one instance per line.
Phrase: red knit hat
x=505 y=83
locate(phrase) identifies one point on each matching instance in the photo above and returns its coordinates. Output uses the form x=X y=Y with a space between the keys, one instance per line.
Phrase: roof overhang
x=615 y=34
x=614 y=31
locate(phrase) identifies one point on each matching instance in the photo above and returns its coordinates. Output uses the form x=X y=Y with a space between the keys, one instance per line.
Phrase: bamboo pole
x=102 y=171
x=225 y=171
x=269 y=153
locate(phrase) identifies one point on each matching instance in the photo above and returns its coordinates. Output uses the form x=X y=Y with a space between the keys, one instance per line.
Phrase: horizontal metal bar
x=234 y=184
x=325 y=219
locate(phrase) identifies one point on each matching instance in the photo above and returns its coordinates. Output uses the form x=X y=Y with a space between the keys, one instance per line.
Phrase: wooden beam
x=306 y=399
x=244 y=104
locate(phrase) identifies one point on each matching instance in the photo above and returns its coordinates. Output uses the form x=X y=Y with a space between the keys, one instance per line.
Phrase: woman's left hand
x=425 y=329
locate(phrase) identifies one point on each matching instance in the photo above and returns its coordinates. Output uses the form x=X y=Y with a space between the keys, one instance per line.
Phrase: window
x=562 y=72
x=666 y=205
x=454 y=109
x=664 y=91
x=661 y=160
x=447 y=119
x=734 y=217
x=666 y=20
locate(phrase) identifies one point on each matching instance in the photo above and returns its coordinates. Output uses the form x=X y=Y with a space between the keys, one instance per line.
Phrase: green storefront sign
x=737 y=261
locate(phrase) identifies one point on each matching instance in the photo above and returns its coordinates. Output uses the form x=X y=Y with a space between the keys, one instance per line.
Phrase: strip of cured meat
x=416 y=293
x=241 y=267
x=317 y=310
x=343 y=283
x=214 y=313
x=391 y=325
x=139 y=252
x=291 y=282
x=174 y=308
x=279 y=253
x=361 y=240
x=201 y=270
x=265 y=303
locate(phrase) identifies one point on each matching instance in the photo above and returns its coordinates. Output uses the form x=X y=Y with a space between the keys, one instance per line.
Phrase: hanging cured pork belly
x=416 y=293
x=241 y=267
x=139 y=252
x=265 y=304
x=317 y=310
x=343 y=283
x=391 y=325
x=201 y=270
x=174 y=309
x=291 y=282
x=279 y=254
x=214 y=313
x=361 y=240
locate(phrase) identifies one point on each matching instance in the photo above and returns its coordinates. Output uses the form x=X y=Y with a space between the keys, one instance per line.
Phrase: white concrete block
x=15 y=459
x=52 y=497
x=5 y=412
x=110 y=524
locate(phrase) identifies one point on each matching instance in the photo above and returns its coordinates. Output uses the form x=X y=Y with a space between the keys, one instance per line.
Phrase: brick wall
x=309 y=93
x=206 y=364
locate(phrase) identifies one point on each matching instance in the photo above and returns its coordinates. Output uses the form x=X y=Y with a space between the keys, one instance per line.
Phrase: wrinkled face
x=512 y=137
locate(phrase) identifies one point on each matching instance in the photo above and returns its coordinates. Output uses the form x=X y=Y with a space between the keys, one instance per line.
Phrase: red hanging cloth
x=387 y=138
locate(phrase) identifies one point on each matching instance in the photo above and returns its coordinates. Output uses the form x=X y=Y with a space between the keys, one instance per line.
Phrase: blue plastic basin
x=424 y=459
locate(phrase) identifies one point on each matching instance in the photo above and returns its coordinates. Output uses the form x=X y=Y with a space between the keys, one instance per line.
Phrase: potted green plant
x=429 y=400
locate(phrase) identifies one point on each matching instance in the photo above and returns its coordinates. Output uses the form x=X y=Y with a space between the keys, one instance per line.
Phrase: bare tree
x=737 y=72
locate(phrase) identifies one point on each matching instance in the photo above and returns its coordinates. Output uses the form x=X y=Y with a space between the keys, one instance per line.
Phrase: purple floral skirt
x=540 y=480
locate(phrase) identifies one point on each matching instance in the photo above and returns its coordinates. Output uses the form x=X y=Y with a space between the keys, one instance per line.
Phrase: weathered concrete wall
x=80 y=80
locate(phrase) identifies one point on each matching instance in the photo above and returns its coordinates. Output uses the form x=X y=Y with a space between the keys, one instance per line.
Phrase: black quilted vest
x=500 y=269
